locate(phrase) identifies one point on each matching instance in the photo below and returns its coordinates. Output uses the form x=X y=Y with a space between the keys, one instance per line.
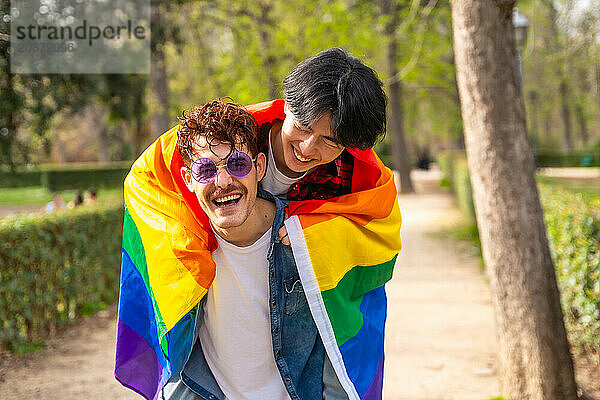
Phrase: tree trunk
x=59 y=148
x=534 y=352
x=395 y=113
x=563 y=89
x=139 y=119
x=159 y=121
x=103 y=154
x=8 y=132
x=99 y=119
x=535 y=138
x=139 y=139
x=10 y=103
x=582 y=122
x=266 y=26
x=548 y=125
x=566 y=114
x=597 y=81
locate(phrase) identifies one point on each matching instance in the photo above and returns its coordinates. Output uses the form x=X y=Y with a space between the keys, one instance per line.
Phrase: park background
x=63 y=133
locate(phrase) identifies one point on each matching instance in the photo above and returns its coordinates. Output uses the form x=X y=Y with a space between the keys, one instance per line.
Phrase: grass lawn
x=38 y=195
x=585 y=185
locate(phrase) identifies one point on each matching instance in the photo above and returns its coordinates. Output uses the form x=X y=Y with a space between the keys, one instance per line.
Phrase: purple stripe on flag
x=374 y=392
x=138 y=366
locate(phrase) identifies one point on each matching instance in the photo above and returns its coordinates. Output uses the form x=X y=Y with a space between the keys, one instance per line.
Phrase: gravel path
x=440 y=331
x=440 y=334
x=6 y=210
x=76 y=365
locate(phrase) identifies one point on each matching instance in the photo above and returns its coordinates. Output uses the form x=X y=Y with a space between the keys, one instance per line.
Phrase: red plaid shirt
x=323 y=182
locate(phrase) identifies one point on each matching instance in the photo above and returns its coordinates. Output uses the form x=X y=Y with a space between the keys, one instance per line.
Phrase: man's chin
x=225 y=221
x=300 y=167
x=224 y=225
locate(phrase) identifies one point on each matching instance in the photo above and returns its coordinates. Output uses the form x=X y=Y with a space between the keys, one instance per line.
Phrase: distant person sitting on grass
x=56 y=204
x=77 y=201
x=91 y=196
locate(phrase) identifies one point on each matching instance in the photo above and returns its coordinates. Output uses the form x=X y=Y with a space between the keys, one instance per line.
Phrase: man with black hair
x=332 y=103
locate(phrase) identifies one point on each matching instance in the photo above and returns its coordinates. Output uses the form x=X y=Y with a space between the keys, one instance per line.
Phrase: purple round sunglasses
x=238 y=164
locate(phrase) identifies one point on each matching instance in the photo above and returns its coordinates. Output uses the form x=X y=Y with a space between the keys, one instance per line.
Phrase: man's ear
x=187 y=178
x=261 y=166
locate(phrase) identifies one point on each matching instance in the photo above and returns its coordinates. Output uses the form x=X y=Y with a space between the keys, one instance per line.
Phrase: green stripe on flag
x=343 y=301
x=133 y=245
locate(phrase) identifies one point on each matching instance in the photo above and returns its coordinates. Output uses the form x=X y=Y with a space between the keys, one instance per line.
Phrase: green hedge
x=82 y=179
x=456 y=175
x=72 y=176
x=54 y=268
x=573 y=228
x=581 y=159
x=20 y=179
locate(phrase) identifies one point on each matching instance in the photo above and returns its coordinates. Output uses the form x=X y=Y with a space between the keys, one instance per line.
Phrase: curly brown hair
x=220 y=120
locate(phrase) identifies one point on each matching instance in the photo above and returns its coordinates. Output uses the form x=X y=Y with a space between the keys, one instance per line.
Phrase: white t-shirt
x=274 y=181
x=236 y=332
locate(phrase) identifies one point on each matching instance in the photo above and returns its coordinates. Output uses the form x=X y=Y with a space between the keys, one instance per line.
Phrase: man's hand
x=283 y=236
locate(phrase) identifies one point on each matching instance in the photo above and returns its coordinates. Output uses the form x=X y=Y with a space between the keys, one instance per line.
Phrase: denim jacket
x=298 y=350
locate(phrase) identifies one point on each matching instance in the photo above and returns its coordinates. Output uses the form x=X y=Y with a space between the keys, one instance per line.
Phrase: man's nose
x=223 y=178
x=308 y=144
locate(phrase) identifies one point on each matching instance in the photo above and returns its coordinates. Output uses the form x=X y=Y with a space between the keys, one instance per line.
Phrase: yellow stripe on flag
x=175 y=290
x=339 y=244
x=169 y=233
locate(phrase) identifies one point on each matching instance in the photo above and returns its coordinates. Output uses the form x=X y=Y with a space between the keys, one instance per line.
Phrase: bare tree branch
x=414 y=8
x=414 y=58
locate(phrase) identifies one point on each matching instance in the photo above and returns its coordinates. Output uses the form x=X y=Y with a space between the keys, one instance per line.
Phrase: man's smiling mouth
x=227 y=200
x=299 y=157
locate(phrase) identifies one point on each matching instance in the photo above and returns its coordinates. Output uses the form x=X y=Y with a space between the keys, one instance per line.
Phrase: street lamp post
x=520 y=23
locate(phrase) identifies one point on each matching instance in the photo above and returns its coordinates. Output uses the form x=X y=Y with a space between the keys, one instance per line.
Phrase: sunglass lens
x=204 y=170
x=239 y=164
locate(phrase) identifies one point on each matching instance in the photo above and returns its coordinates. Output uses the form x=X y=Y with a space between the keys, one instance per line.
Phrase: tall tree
x=123 y=96
x=12 y=100
x=390 y=10
x=432 y=85
x=563 y=85
x=164 y=30
x=559 y=64
x=254 y=21
x=159 y=121
x=266 y=25
x=534 y=352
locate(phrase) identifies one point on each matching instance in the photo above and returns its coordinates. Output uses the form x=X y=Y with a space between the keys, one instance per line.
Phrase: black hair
x=335 y=81
x=78 y=198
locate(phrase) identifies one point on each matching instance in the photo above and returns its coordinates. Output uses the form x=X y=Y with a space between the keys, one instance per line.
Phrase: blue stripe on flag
x=363 y=353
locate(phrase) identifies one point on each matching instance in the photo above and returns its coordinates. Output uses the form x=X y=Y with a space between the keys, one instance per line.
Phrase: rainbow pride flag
x=166 y=265
x=345 y=249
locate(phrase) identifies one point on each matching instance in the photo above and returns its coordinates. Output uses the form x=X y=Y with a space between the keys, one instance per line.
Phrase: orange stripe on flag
x=358 y=207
